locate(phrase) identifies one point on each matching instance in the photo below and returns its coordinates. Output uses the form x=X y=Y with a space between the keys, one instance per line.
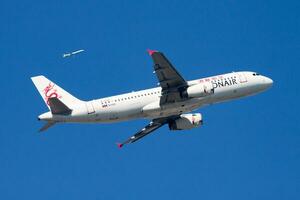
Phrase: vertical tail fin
x=48 y=89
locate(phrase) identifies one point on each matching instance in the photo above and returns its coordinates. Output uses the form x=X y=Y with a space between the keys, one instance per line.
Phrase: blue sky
x=247 y=149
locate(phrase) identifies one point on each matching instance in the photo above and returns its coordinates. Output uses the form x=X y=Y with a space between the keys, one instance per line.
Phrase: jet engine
x=199 y=90
x=186 y=121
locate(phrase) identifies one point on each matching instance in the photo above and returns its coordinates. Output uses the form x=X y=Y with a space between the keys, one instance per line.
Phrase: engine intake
x=186 y=121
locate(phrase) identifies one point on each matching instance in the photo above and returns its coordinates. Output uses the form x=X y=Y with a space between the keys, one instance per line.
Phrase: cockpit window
x=255 y=74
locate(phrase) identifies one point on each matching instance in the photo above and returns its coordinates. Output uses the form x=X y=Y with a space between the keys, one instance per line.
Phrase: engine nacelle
x=186 y=121
x=200 y=90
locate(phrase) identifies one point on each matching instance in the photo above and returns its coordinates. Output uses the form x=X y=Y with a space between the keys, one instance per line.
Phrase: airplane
x=72 y=53
x=170 y=103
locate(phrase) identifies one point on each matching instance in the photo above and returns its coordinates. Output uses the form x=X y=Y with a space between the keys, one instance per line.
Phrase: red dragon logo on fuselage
x=50 y=92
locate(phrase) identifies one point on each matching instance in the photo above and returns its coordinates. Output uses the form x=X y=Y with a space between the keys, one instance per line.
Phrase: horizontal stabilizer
x=47 y=125
x=57 y=107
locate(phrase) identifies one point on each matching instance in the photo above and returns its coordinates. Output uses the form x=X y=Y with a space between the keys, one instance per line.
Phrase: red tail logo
x=50 y=92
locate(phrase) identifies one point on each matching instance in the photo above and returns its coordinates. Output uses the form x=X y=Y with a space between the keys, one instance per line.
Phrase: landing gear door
x=242 y=77
x=90 y=107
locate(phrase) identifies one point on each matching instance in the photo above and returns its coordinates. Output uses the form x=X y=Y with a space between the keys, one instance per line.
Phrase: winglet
x=151 y=51
x=120 y=145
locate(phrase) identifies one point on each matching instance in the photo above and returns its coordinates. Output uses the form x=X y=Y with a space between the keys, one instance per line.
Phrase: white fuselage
x=132 y=105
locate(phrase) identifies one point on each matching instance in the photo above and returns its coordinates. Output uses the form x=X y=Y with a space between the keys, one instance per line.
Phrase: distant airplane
x=72 y=53
x=167 y=104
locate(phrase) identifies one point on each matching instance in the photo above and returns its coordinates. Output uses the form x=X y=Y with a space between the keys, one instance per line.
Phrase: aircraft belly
x=174 y=108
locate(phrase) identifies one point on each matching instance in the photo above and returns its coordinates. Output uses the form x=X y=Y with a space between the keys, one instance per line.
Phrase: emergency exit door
x=90 y=107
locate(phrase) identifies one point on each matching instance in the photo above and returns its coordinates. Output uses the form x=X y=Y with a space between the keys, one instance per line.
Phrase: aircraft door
x=242 y=77
x=90 y=107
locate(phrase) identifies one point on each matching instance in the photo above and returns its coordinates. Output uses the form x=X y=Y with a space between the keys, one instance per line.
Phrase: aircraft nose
x=267 y=82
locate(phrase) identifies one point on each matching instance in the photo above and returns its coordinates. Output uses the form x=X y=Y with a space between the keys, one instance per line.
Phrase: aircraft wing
x=152 y=126
x=169 y=79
